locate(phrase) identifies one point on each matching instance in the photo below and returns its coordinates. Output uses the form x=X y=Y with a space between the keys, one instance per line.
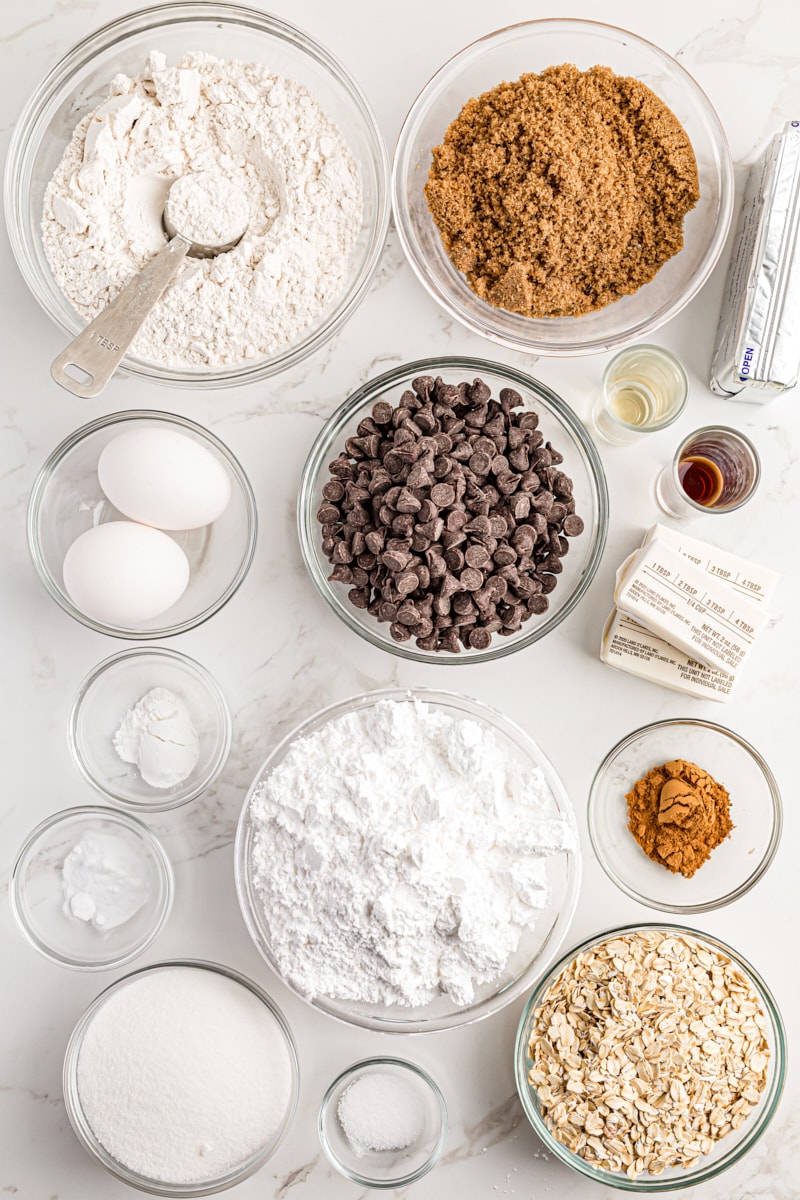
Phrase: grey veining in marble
x=279 y=654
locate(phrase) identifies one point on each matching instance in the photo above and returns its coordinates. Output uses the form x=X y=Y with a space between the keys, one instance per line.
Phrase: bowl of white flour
x=177 y=89
x=407 y=860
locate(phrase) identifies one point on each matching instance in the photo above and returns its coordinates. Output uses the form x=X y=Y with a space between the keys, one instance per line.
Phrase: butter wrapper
x=747 y=578
x=628 y=646
x=663 y=590
x=757 y=354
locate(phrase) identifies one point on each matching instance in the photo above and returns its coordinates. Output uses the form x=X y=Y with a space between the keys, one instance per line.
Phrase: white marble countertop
x=279 y=654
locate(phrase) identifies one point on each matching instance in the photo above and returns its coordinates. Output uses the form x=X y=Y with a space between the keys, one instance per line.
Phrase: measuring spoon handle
x=98 y=349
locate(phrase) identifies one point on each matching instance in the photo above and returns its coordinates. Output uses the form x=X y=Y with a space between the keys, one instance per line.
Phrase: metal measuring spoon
x=98 y=349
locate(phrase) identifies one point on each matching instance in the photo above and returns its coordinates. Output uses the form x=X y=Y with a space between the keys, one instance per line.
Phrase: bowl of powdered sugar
x=183 y=88
x=407 y=860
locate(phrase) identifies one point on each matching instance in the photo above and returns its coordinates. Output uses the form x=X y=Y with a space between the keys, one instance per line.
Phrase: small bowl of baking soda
x=383 y=1123
x=91 y=888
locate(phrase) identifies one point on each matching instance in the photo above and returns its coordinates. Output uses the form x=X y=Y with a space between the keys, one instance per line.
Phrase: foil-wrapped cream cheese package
x=757 y=354
x=629 y=646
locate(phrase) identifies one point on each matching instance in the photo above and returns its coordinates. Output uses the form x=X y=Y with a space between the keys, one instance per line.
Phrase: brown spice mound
x=561 y=192
x=678 y=815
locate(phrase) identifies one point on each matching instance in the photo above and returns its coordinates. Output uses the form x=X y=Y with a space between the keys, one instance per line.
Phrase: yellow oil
x=632 y=403
x=644 y=386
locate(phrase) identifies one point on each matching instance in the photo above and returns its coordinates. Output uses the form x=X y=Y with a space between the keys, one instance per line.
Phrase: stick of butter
x=664 y=591
x=628 y=646
x=749 y=579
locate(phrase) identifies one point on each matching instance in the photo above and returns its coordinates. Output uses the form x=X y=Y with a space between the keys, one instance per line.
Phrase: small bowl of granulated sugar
x=218 y=88
x=181 y=1079
x=383 y=1123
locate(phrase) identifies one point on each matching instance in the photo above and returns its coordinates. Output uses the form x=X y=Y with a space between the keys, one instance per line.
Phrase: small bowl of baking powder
x=150 y=729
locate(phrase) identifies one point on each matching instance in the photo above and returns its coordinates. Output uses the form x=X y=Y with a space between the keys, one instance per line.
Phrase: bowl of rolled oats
x=650 y=1058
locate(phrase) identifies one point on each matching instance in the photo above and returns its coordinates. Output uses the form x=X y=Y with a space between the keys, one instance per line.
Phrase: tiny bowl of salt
x=150 y=729
x=91 y=888
x=383 y=1123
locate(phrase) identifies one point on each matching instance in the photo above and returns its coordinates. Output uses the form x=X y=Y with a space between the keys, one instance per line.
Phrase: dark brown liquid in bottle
x=701 y=479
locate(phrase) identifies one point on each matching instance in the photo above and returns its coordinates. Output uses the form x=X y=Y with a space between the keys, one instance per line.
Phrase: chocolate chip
x=407 y=502
x=505 y=555
x=464 y=605
x=480 y=638
x=454 y=558
x=471 y=579
x=358 y=597
x=395 y=560
x=443 y=494
x=477 y=556
x=573 y=525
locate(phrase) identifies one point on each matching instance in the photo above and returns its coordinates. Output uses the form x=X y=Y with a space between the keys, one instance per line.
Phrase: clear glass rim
x=674 y=361
x=761 y=867
x=365 y=395
x=400 y=1180
x=760 y=1119
x=129 y=822
x=225 y=731
x=39 y=490
x=83 y=1130
x=514 y=988
x=736 y=435
x=155 y=18
x=485 y=327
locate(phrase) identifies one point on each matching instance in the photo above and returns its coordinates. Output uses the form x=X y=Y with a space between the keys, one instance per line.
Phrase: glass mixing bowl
x=79 y=82
x=530 y=47
x=736 y=865
x=36 y=890
x=113 y=688
x=535 y=950
x=558 y=424
x=91 y=1143
x=66 y=499
x=385 y=1169
x=728 y=1150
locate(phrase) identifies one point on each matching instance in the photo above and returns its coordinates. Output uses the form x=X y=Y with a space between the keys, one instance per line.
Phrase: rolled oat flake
x=757 y=354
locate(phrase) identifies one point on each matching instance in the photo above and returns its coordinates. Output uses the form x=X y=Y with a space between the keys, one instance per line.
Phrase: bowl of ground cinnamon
x=684 y=815
x=562 y=186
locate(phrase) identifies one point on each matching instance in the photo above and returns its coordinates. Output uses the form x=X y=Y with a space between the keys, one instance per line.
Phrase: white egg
x=122 y=573
x=163 y=478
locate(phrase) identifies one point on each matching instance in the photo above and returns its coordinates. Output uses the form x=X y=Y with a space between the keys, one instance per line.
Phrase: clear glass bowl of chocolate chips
x=452 y=510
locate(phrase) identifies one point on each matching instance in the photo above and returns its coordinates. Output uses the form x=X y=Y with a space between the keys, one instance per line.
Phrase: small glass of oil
x=715 y=470
x=644 y=390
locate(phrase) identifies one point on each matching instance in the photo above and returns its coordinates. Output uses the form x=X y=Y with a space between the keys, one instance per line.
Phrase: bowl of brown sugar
x=684 y=815
x=562 y=187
